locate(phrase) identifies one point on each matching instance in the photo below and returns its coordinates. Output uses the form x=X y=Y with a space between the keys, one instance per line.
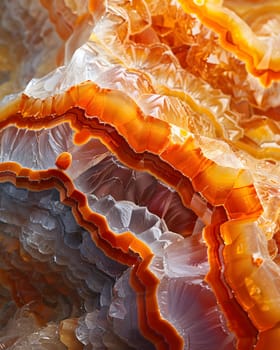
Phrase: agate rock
x=139 y=175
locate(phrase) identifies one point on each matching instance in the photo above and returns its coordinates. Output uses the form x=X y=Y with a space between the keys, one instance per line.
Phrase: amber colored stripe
x=125 y=248
x=237 y=37
x=237 y=195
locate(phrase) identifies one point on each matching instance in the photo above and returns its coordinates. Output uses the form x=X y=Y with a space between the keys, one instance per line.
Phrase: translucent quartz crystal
x=139 y=174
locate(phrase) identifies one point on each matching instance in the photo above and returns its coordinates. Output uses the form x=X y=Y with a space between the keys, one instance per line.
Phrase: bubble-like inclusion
x=139 y=175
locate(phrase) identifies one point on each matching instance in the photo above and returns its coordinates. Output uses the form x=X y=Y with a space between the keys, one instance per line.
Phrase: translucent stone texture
x=145 y=172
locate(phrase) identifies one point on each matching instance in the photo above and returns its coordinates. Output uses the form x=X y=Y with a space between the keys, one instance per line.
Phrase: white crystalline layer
x=125 y=216
x=187 y=258
x=43 y=87
x=39 y=149
x=110 y=177
x=191 y=307
x=185 y=299
x=95 y=170
x=87 y=63
x=35 y=150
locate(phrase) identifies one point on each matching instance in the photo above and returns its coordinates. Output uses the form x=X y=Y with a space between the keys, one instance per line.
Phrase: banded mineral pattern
x=139 y=175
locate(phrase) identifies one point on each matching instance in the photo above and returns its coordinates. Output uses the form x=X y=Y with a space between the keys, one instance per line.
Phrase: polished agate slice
x=139 y=175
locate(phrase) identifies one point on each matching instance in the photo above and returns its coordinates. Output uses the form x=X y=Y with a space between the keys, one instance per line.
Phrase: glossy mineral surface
x=139 y=175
